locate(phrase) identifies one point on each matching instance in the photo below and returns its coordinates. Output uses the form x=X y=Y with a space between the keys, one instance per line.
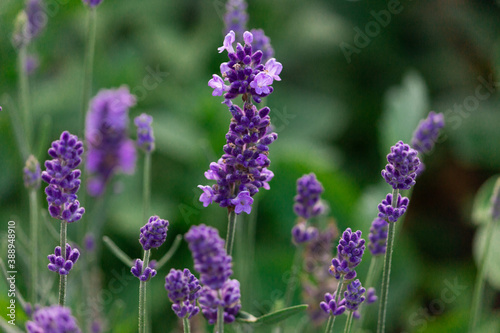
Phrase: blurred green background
x=336 y=116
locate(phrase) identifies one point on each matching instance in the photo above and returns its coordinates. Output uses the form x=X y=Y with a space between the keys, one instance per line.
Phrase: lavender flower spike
x=138 y=272
x=145 y=137
x=427 y=132
x=32 y=173
x=400 y=173
x=354 y=295
x=307 y=200
x=378 y=236
x=52 y=319
x=236 y=17
x=183 y=290
x=330 y=307
x=63 y=265
x=153 y=233
x=389 y=213
x=349 y=252
x=210 y=257
x=63 y=176
x=230 y=300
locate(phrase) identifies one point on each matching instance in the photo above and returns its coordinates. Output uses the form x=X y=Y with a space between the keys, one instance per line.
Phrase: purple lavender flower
x=143 y=275
x=427 y=132
x=349 y=252
x=207 y=196
x=210 y=257
x=63 y=265
x=400 y=173
x=307 y=200
x=354 y=295
x=301 y=233
x=153 y=233
x=92 y=3
x=236 y=18
x=183 y=290
x=53 y=319
x=378 y=236
x=389 y=213
x=242 y=203
x=145 y=138
x=263 y=43
x=330 y=306
x=29 y=23
x=32 y=173
x=230 y=300
x=371 y=296
x=63 y=178
x=109 y=148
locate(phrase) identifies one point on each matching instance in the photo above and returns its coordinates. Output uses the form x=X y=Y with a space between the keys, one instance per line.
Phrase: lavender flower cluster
x=183 y=290
x=349 y=253
x=56 y=319
x=60 y=264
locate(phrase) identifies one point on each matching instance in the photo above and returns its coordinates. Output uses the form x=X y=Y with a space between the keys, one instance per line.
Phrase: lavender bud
x=209 y=301
x=400 y=173
x=330 y=306
x=142 y=275
x=378 y=236
x=389 y=213
x=183 y=290
x=354 y=295
x=349 y=252
x=63 y=265
x=307 y=200
x=153 y=233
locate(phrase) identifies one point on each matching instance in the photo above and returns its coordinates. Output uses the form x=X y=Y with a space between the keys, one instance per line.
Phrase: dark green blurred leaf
x=492 y=263
x=481 y=209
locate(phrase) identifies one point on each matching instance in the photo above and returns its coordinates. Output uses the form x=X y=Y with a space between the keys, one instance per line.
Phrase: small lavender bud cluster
x=55 y=318
x=400 y=173
x=349 y=252
x=183 y=290
x=109 y=147
x=378 y=236
x=60 y=264
x=153 y=233
x=389 y=213
x=301 y=233
x=145 y=137
x=32 y=173
x=137 y=271
x=331 y=307
x=371 y=296
x=307 y=200
x=236 y=18
x=63 y=178
x=230 y=300
x=210 y=257
x=354 y=295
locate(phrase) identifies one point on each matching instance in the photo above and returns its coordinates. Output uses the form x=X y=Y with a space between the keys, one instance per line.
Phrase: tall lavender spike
x=349 y=252
x=210 y=257
x=63 y=176
x=236 y=18
x=55 y=318
x=109 y=147
x=400 y=173
x=229 y=299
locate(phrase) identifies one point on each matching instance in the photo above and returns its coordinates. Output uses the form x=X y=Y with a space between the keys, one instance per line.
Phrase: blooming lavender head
x=109 y=148
x=236 y=18
x=140 y=273
x=53 y=319
x=230 y=300
x=378 y=236
x=32 y=173
x=145 y=138
x=354 y=295
x=63 y=176
x=427 y=132
x=331 y=307
x=307 y=200
x=92 y=3
x=60 y=264
x=400 y=173
x=263 y=43
x=153 y=233
x=210 y=257
x=349 y=252
x=183 y=290
x=389 y=213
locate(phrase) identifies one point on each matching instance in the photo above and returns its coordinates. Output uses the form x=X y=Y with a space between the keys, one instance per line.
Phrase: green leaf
x=492 y=263
x=404 y=107
x=271 y=318
x=481 y=209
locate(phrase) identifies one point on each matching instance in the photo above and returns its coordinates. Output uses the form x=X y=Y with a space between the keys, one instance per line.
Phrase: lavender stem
x=63 y=279
x=337 y=292
x=146 y=186
x=292 y=282
x=88 y=63
x=33 y=199
x=348 y=322
x=220 y=317
x=231 y=228
x=170 y=252
x=371 y=277
x=142 y=296
x=117 y=251
x=384 y=292
x=24 y=95
x=187 y=327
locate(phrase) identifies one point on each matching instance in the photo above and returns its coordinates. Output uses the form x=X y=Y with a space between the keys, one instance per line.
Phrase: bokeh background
x=335 y=115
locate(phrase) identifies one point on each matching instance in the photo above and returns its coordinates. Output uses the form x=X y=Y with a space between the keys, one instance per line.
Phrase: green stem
x=231 y=227
x=88 y=64
x=337 y=295
x=142 y=295
x=146 y=186
x=187 y=327
x=33 y=199
x=348 y=322
x=384 y=292
x=220 y=318
x=63 y=279
x=17 y=126
x=24 y=95
x=329 y=324
x=170 y=252
x=117 y=251
x=292 y=282
x=479 y=285
x=371 y=277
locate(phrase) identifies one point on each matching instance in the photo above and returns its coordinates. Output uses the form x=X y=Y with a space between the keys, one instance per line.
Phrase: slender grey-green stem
x=24 y=95
x=231 y=227
x=187 y=326
x=146 y=186
x=331 y=320
x=384 y=292
x=63 y=279
x=88 y=64
x=293 y=280
x=220 y=317
x=479 y=285
x=117 y=251
x=33 y=199
x=142 y=295
x=371 y=278
x=170 y=252
x=348 y=322
x=17 y=126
